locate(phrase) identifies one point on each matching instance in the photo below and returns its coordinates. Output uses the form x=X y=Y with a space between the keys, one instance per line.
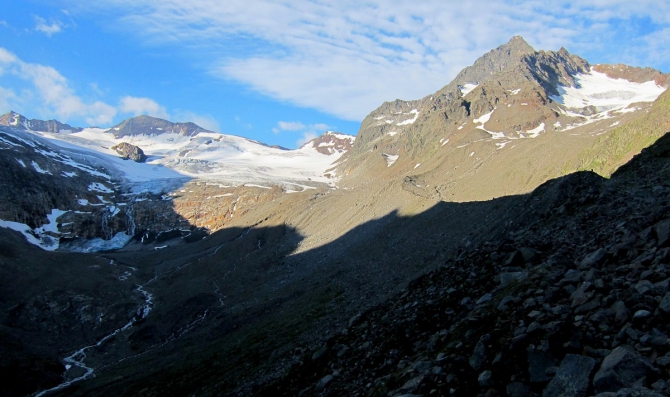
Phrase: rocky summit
x=506 y=235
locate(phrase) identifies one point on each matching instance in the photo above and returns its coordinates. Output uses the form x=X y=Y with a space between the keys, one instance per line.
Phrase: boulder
x=637 y=392
x=129 y=151
x=664 y=306
x=593 y=258
x=662 y=230
x=620 y=369
x=572 y=378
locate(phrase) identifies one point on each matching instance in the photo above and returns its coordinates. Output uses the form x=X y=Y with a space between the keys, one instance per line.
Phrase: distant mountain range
x=85 y=169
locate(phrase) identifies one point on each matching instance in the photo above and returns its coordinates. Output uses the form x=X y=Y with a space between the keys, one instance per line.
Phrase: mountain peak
x=500 y=59
x=17 y=120
x=331 y=142
x=148 y=125
x=520 y=43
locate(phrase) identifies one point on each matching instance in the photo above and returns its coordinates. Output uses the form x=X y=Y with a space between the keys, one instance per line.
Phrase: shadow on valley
x=236 y=308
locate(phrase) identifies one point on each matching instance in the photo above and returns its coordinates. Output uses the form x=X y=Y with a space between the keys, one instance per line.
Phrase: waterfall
x=107 y=232
x=130 y=217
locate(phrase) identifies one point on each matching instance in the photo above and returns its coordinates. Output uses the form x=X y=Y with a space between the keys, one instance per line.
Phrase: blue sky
x=282 y=72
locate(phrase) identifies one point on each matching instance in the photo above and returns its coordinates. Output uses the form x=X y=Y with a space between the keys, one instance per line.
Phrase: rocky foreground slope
x=572 y=300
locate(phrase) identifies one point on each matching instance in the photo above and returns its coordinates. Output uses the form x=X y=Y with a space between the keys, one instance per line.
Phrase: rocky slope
x=532 y=113
x=572 y=300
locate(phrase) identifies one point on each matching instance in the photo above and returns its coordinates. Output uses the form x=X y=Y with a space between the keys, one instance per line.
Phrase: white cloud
x=308 y=132
x=290 y=125
x=137 y=106
x=346 y=57
x=321 y=127
x=306 y=137
x=6 y=56
x=205 y=121
x=41 y=25
x=100 y=114
x=7 y=99
x=49 y=93
x=59 y=98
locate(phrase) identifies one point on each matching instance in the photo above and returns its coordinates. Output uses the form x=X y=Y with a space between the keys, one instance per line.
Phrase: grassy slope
x=615 y=148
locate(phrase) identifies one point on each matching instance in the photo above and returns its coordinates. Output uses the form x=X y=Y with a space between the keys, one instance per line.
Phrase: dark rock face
x=130 y=151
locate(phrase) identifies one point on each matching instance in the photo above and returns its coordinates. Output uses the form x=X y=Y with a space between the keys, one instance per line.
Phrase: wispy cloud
x=54 y=93
x=205 y=121
x=346 y=57
x=45 y=92
x=49 y=29
x=308 y=132
x=137 y=106
x=290 y=125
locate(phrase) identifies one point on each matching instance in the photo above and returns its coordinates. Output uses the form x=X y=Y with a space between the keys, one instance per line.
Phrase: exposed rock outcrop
x=147 y=125
x=129 y=151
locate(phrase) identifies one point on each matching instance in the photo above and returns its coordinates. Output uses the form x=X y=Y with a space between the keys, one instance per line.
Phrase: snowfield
x=605 y=93
x=211 y=156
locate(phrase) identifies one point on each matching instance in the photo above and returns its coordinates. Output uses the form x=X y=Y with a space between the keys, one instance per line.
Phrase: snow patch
x=535 y=132
x=467 y=88
x=605 y=93
x=390 y=158
x=483 y=120
x=39 y=169
x=412 y=120
x=99 y=187
x=253 y=185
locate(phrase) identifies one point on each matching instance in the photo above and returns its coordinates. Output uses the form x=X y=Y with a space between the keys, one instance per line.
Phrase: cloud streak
x=54 y=93
x=42 y=26
x=137 y=106
x=346 y=57
x=308 y=132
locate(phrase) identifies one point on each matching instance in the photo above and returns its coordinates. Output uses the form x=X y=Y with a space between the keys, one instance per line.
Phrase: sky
x=283 y=72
